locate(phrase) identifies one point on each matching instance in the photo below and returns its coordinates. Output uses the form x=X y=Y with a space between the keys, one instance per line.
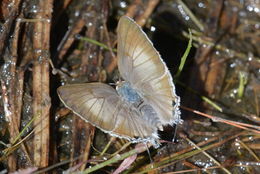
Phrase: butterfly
x=142 y=103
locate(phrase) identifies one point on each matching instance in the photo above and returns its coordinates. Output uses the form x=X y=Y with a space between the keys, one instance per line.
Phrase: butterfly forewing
x=136 y=54
x=141 y=65
x=100 y=105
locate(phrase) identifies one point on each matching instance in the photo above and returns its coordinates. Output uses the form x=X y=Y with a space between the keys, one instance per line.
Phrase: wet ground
x=46 y=45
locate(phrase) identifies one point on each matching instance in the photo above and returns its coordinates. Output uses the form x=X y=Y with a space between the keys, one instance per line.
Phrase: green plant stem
x=115 y=159
x=95 y=43
x=185 y=55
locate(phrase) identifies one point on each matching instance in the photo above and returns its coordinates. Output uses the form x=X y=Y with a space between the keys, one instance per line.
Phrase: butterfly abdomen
x=150 y=115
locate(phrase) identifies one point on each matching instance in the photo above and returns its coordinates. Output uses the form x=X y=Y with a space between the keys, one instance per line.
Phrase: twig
x=209 y=156
x=233 y=123
x=69 y=38
x=171 y=159
x=132 y=9
x=249 y=150
x=41 y=86
x=219 y=47
x=151 y=5
x=191 y=15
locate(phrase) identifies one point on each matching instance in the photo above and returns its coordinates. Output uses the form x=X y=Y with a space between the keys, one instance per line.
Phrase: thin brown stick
x=12 y=103
x=8 y=115
x=132 y=9
x=69 y=37
x=41 y=98
x=233 y=123
x=169 y=158
x=113 y=63
x=141 y=20
x=8 y=24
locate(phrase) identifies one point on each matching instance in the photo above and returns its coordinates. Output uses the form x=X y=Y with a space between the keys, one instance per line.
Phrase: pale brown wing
x=100 y=105
x=141 y=65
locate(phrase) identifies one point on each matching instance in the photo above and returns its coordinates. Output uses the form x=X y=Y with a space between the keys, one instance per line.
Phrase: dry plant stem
x=201 y=40
x=249 y=138
x=8 y=24
x=15 y=115
x=191 y=15
x=10 y=150
x=19 y=90
x=78 y=146
x=113 y=63
x=91 y=32
x=215 y=12
x=204 y=133
x=122 y=148
x=194 y=167
x=244 y=126
x=112 y=139
x=254 y=146
x=214 y=75
x=252 y=117
x=19 y=98
x=163 y=161
x=8 y=115
x=210 y=73
x=141 y=20
x=13 y=99
x=184 y=154
x=19 y=102
x=209 y=156
x=132 y=9
x=249 y=150
x=91 y=131
x=207 y=169
x=184 y=151
x=41 y=86
x=69 y=37
x=201 y=170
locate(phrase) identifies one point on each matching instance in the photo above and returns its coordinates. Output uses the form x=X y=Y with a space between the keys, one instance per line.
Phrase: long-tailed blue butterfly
x=141 y=104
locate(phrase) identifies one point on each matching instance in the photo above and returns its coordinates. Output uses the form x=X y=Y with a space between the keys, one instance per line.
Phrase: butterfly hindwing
x=100 y=105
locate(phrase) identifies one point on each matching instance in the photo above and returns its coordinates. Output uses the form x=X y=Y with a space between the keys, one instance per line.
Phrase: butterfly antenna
x=175 y=132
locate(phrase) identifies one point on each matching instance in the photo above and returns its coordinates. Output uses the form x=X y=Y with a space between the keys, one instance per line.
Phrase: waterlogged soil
x=221 y=78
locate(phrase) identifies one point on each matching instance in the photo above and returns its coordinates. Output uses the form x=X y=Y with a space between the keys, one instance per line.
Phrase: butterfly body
x=130 y=95
x=139 y=106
